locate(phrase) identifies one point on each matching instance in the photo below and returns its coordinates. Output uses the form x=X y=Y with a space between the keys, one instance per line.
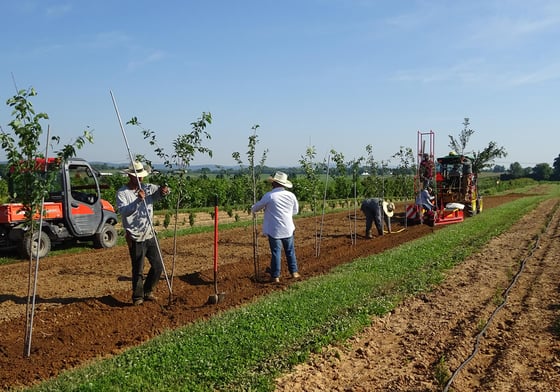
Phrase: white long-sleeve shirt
x=280 y=205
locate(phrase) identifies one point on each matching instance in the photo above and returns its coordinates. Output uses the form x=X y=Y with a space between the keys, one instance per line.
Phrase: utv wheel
x=106 y=238
x=33 y=247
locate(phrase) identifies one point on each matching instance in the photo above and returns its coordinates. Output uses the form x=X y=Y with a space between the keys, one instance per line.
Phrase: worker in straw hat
x=135 y=205
x=373 y=209
x=280 y=205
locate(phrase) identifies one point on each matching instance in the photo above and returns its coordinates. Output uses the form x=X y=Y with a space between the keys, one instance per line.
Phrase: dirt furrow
x=516 y=349
x=416 y=347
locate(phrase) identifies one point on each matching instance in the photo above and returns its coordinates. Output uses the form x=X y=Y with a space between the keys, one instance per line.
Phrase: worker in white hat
x=135 y=205
x=280 y=205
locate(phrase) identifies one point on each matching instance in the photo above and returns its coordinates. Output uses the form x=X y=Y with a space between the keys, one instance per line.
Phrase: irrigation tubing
x=31 y=311
x=140 y=187
x=318 y=251
x=506 y=295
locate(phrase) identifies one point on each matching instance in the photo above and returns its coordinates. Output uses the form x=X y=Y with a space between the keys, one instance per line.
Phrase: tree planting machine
x=452 y=182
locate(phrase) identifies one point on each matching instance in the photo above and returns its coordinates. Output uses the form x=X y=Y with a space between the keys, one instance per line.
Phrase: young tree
x=355 y=166
x=371 y=183
x=342 y=186
x=404 y=168
x=254 y=170
x=459 y=145
x=481 y=159
x=254 y=174
x=28 y=169
x=185 y=147
x=309 y=186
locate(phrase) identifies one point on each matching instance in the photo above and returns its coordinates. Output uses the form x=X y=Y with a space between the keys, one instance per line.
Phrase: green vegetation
x=441 y=371
x=245 y=348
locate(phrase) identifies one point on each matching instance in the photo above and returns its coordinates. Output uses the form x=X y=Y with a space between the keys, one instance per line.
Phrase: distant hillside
x=194 y=168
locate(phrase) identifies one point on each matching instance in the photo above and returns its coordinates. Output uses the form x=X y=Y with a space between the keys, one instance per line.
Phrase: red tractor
x=73 y=211
x=453 y=182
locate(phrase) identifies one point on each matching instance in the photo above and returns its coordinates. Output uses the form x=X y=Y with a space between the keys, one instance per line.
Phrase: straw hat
x=281 y=178
x=388 y=208
x=137 y=170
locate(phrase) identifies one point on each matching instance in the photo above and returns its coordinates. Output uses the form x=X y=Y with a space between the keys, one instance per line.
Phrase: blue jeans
x=276 y=245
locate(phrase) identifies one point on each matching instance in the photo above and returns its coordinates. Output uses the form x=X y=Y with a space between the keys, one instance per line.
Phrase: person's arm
x=124 y=206
x=259 y=205
x=154 y=193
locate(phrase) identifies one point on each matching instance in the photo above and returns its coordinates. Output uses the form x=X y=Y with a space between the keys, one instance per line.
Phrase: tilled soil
x=84 y=310
x=429 y=337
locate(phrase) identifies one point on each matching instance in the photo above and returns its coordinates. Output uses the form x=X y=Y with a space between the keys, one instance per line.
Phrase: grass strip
x=246 y=348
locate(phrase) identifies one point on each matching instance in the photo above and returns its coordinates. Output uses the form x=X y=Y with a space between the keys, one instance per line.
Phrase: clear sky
x=333 y=74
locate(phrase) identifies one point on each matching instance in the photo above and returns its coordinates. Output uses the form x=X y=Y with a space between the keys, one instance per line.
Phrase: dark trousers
x=375 y=215
x=139 y=251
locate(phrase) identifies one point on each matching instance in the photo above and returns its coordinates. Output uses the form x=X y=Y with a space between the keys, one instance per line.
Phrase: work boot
x=150 y=297
x=368 y=234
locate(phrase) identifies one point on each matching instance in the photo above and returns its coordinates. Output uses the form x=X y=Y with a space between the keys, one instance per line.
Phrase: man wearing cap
x=280 y=205
x=372 y=209
x=135 y=205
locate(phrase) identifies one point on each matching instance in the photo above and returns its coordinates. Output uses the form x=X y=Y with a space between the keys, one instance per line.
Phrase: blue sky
x=333 y=74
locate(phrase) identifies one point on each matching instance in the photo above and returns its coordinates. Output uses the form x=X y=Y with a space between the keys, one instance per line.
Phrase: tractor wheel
x=106 y=238
x=469 y=209
x=32 y=247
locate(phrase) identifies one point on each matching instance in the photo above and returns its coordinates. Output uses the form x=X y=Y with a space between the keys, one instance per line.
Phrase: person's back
x=280 y=205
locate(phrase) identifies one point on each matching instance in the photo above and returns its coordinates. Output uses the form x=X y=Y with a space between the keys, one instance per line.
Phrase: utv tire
x=106 y=238
x=32 y=247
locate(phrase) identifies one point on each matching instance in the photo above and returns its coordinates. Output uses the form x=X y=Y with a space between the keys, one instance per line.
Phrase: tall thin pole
x=31 y=310
x=318 y=251
x=140 y=187
x=353 y=231
x=255 y=227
